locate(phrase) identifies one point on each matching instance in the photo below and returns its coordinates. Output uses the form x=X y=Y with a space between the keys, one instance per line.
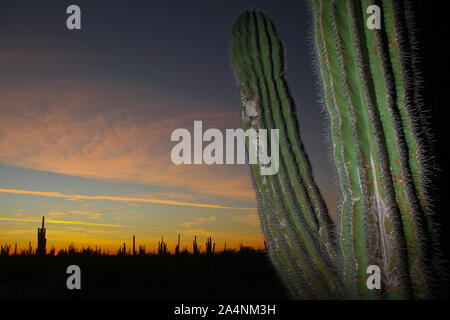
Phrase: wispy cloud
x=89 y=213
x=56 y=213
x=64 y=222
x=116 y=198
x=104 y=132
x=251 y=219
x=198 y=221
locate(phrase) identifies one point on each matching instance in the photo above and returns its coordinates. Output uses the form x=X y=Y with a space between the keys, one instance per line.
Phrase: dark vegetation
x=246 y=273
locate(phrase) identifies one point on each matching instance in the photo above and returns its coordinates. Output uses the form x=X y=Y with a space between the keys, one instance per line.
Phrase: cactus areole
x=369 y=89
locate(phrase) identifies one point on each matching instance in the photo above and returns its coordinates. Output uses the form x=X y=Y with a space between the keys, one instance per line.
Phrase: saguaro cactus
x=162 y=247
x=370 y=91
x=195 y=247
x=210 y=246
x=300 y=234
x=177 y=247
x=42 y=241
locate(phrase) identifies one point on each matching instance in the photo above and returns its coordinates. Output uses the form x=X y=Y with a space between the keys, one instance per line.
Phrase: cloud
x=90 y=214
x=251 y=219
x=64 y=222
x=104 y=132
x=198 y=221
x=114 y=198
x=55 y=213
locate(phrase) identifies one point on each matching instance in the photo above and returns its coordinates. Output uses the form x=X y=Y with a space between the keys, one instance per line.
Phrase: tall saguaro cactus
x=370 y=90
x=295 y=221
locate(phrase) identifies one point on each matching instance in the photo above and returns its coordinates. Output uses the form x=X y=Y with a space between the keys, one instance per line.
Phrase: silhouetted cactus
x=41 y=241
x=162 y=247
x=177 y=247
x=29 y=252
x=370 y=91
x=245 y=249
x=122 y=251
x=210 y=246
x=195 y=247
x=4 y=250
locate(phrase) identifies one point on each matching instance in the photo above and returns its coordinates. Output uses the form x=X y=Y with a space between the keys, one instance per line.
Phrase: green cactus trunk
x=369 y=90
x=293 y=214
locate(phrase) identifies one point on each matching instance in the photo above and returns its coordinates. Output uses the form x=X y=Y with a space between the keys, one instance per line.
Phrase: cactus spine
x=369 y=89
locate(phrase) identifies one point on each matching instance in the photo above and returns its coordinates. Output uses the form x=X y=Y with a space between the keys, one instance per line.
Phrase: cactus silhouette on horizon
x=177 y=247
x=370 y=89
x=162 y=247
x=195 y=247
x=42 y=241
x=210 y=246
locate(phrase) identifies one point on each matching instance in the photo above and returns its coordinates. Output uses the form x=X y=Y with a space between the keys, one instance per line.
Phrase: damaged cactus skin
x=369 y=89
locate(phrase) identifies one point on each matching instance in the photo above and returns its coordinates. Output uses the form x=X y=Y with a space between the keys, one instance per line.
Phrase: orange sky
x=123 y=152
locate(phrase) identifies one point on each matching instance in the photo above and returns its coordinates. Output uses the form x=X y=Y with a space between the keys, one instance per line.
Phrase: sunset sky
x=86 y=118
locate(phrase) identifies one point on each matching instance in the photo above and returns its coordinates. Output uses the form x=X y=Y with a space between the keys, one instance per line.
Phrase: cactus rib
x=380 y=149
x=290 y=196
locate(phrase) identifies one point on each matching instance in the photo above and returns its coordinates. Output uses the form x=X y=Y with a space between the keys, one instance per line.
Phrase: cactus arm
x=283 y=109
x=296 y=283
x=271 y=100
x=271 y=204
x=286 y=194
x=270 y=217
x=285 y=117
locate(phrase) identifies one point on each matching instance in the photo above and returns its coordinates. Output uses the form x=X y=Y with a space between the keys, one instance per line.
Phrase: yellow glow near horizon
x=117 y=198
x=65 y=222
x=62 y=239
